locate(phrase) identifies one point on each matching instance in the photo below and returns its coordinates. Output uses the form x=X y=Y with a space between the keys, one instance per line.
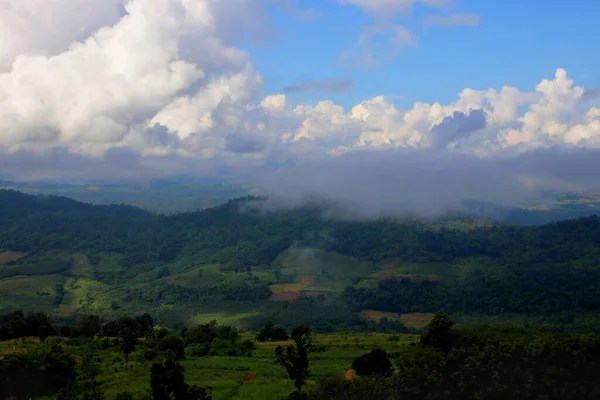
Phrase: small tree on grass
x=295 y=357
x=167 y=382
x=373 y=363
x=438 y=333
x=272 y=332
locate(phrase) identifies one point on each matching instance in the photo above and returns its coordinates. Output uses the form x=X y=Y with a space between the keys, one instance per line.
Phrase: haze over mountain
x=380 y=106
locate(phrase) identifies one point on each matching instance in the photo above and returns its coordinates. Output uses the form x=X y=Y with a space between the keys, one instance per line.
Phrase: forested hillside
x=243 y=266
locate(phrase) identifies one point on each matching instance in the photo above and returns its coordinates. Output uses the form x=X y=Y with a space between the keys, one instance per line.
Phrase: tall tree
x=295 y=357
x=438 y=332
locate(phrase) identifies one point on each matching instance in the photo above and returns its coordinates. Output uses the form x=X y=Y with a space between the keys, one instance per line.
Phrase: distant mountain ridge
x=240 y=263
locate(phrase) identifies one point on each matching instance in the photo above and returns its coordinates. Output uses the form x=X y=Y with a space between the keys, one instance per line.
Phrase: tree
x=89 y=325
x=163 y=273
x=42 y=372
x=167 y=382
x=127 y=331
x=39 y=325
x=165 y=342
x=295 y=358
x=202 y=334
x=438 y=332
x=124 y=396
x=145 y=323
x=373 y=363
x=272 y=332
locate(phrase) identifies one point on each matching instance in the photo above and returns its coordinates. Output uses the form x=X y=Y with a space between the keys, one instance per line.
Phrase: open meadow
x=333 y=356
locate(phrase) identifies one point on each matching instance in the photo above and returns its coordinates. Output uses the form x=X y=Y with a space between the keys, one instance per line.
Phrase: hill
x=157 y=196
x=243 y=266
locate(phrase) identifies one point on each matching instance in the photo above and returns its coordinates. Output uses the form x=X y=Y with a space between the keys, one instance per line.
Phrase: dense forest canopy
x=487 y=268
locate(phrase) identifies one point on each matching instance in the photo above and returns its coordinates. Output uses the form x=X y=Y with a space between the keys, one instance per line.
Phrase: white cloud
x=47 y=27
x=390 y=9
x=455 y=19
x=383 y=41
x=164 y=90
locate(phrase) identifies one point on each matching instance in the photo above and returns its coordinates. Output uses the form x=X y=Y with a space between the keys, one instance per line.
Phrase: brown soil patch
x=416 y=320
x=413 y=320
x=248 y=377
x=285 y=296
x=374 y=315
x=7 y=256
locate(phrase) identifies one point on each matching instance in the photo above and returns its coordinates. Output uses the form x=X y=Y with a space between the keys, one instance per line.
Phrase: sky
x=383 y=105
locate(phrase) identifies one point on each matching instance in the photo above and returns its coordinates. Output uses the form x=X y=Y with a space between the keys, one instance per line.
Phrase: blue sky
x=139 y=89
x=517 y=43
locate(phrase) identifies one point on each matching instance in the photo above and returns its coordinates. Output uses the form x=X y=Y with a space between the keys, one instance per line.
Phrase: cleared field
x=287 y=287
x=305 y=281
x=414 y=271
x=8 y=256
x=285 y=296
x=28 y=285
x=414 y=320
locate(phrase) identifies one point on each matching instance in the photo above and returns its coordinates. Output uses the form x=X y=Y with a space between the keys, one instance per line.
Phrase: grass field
x=226 y=374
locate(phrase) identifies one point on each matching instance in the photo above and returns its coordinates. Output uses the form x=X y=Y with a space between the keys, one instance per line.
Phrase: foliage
x=295 y=358
x=163 y=342
x=43 y=372
x=481 y=364
x=17 y=325
x=438 y=333
x=271 y=332
x=217 y=340
x=493 y=269
x=374 y=363
x=89 y=325
x=167 y=382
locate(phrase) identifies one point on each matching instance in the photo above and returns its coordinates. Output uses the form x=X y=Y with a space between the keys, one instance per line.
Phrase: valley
x=241 y=267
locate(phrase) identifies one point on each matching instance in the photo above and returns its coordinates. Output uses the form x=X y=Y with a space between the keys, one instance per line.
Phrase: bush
x=198 y=350
x=272 y=332
x=373 y=363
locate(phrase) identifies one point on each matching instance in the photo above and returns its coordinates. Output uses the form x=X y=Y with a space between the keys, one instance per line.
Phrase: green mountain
x=244 y=266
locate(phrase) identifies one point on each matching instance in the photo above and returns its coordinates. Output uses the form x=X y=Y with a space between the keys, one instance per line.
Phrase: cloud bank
x=127 y=91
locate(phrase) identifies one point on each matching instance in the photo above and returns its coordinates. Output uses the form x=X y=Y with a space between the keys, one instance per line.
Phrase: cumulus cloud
x=48 y=27
x=135 y=92
x=331 y=85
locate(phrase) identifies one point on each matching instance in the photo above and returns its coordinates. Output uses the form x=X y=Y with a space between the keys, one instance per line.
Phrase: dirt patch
x=416 y=320
x=8 y=256
x=285 y=296
x=413 y=320
x=248 y=377
x=374 y=315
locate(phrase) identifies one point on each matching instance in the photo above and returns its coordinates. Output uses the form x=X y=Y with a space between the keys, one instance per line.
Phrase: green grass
x=225 y=374
x=309 y=261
